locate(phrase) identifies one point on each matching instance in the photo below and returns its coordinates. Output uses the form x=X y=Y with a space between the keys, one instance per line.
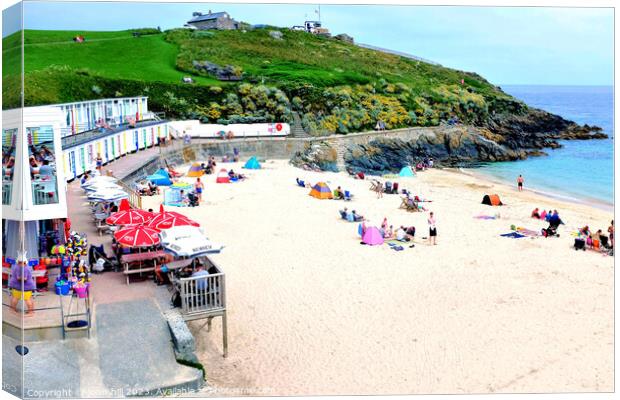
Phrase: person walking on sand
x=610 y=230
x=379 y=190
x=520 y=183
x=432 y=229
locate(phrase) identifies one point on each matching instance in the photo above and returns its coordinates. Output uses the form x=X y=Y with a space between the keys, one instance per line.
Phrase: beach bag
x=99 y=265
x=176 y=300
x=580 y=244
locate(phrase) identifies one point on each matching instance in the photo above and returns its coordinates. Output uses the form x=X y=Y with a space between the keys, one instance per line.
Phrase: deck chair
x=347 y=195
x=388 y=187
x=301 y=183
x=374 y=185
x=395 y=188
x=343 y=214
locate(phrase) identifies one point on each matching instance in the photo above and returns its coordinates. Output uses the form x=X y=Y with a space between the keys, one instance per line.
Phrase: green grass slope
x=334 y=86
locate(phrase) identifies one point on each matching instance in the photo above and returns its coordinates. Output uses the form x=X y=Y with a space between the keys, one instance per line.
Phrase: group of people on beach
x=596 y=240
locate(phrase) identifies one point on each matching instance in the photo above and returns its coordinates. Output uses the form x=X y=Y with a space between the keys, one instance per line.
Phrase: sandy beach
x=313 y=312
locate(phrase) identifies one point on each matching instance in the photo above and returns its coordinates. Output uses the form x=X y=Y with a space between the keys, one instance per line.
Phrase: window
x=42 y=160
x=9 y=140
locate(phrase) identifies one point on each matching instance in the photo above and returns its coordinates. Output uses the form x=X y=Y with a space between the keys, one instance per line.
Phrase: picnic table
x=129 y=260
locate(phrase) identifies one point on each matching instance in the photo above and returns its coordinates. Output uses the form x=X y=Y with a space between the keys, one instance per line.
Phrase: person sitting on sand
x=410 y=231
x=343 y=213
x=356 y=216
x=535 y=213
x=384 y=224
x=548 y=216
x=585 y=231
x=360 y=175
x=610 y=230
x=401 y=234
x=338 y=194
x=389 y=233
x=543 y=215
x=555 y=219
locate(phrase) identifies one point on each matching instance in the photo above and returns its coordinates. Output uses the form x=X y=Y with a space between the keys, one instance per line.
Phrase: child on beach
x=432 y=229
x=198 y=185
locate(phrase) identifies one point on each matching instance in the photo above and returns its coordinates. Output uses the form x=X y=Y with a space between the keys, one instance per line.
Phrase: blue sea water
x=581 y=169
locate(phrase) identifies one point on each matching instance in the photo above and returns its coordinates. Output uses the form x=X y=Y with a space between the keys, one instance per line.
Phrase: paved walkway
x=130 y=350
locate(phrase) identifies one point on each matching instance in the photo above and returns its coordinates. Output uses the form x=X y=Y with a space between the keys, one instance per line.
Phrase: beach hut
x=321 y=191
x=406 y=172
x=222 y=176
x=252 y=163
x=195 y=171
x=372 y=236
x=491 y=200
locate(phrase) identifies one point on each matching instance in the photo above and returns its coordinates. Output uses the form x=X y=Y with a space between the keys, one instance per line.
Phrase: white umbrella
x=102 y=185
x=188 y=241
x=108 y=195
x=98 y=179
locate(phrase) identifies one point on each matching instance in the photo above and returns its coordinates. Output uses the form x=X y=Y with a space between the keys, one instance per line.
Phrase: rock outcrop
x=506 y=137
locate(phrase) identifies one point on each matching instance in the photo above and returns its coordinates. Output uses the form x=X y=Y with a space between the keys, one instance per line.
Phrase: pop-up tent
x=406 y=172
x=491 y=200
x=160 y=178
x=252 y=163
x=195 y=171
x=222 y=176
x=321 y=191
x=372 y=236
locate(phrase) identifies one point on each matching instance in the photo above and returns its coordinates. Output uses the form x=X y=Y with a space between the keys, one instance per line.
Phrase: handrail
x=202 y=294
x=135 y=200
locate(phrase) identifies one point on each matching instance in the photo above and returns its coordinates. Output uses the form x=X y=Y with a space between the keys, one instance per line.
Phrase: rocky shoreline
x=505 y=137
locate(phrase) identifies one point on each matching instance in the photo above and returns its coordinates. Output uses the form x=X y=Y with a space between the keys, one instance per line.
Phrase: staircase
x=297 y=129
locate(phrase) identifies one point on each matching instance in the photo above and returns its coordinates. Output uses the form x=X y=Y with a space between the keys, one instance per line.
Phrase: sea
x=582 y=170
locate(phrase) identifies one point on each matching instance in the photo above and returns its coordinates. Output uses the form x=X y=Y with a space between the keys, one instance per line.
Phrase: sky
x=506 y=45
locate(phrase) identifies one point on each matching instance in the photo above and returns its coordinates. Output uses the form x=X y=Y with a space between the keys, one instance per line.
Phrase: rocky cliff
x=505 y=137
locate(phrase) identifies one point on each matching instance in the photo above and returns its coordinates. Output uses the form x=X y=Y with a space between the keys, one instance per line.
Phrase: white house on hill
x=218 y=20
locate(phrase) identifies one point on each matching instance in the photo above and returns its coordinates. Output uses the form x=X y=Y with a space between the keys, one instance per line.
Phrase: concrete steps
x=297 y=129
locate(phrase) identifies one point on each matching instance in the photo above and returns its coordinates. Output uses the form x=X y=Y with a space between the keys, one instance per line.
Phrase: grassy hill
x=335 y=86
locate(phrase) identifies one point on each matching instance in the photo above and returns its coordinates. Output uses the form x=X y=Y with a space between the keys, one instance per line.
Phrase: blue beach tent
x=406 y=172
x=160 y=178
x=252 y=163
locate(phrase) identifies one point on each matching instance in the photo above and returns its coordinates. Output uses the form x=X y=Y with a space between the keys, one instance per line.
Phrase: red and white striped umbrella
x=129 y=217
x=167 y=221
x=137 y=236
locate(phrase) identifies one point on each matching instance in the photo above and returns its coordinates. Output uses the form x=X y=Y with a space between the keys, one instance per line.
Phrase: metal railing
x=135 y=200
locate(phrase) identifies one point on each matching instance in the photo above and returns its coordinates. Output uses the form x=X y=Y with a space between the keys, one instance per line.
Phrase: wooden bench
x=128 y=259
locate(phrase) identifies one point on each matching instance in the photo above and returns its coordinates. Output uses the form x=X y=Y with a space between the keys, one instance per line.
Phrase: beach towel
x=485 y=217
x=513 y=235
x=528 y=232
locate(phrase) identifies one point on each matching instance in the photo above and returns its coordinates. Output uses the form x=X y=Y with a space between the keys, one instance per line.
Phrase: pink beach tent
x=372 y=236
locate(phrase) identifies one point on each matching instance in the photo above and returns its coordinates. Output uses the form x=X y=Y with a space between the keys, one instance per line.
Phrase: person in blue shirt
x=201 y=284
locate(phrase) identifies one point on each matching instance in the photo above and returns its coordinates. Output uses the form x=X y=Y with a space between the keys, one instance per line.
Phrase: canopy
x=159 y=179
x=195 y=171
x=137 y=236
x=162 y=172
x=166 y=221
x=128 y=217
x=252 y=163
x=188 y=241
x=321 y=191
x=491 y=200
x=222 y=176
x=181 y=186
x=372 y=236
x=406 y=172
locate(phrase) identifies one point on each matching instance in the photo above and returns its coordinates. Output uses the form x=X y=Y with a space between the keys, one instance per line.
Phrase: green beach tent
x=406 y=172
x=252 y=163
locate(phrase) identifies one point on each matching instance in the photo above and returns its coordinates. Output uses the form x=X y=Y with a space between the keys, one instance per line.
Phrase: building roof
x=207 y=17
